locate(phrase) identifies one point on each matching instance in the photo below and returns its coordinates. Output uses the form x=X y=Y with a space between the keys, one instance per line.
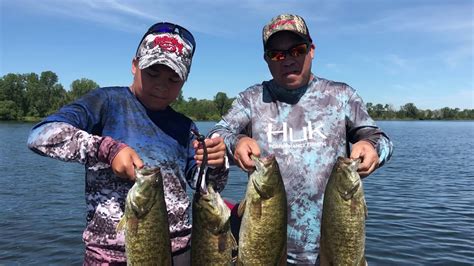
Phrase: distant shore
x=38 y=119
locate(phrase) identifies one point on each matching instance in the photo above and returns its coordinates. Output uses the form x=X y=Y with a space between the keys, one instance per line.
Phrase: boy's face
x=156 y=86
x=291 y=72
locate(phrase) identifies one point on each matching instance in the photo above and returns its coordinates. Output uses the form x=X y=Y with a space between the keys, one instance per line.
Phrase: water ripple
x=420 y=204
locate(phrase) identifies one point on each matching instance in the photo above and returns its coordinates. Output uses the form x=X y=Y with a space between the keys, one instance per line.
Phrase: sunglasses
x=166 y=27
x=295 y=51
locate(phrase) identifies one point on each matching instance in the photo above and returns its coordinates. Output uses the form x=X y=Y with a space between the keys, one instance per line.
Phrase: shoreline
x=37 y=120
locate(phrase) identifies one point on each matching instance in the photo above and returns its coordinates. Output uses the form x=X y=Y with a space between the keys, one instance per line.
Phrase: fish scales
x=212 y=241
x=343 y=219
x=262 y=236
x=145 y=221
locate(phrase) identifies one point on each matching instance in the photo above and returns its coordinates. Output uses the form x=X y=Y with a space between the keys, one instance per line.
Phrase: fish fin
x=235 y=245
x=121 y=224
x=222 y=242
x=323 y=258
x=283 y=256
x=235 y=250
x=363 y=261
x=353 y=206
x=366 y=210
x=132 y=225
x=257 y=208
x=241 y=209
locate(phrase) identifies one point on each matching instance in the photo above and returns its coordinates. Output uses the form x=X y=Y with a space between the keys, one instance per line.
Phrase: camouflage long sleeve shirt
x=91 y=131
x=306 y=129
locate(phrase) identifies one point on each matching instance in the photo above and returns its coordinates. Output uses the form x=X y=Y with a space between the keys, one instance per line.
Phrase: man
x=114 y=130
x=307 y=122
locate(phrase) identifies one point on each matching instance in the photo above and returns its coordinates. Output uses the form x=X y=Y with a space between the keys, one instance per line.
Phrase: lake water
x=421 y=204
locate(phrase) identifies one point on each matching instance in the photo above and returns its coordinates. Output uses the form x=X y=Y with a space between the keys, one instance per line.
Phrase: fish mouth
x=214 y=211
x=348 y=194
x=262 y=162
x=147 y=171
x=352 y=164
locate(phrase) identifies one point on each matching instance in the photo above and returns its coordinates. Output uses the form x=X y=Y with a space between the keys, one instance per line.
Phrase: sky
x=391 y=52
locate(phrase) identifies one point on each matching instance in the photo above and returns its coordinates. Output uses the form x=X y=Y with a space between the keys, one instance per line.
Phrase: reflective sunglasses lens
x=276 y=55
x=299 y=50
x=296 y=51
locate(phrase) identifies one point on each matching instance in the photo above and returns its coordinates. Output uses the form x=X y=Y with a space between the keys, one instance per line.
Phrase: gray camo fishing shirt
x=306 y=129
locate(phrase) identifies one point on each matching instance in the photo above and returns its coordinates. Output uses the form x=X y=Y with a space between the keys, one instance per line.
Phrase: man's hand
x=368 y=155
x=246 y=147
x=125 y=162
x=215 y=151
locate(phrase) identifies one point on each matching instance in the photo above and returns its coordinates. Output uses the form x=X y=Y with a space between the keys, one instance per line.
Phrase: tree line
x=410 y=112
x=30 y=97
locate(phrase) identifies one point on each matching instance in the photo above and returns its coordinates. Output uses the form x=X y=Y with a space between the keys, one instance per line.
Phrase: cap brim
x=163 y=59
x=304 y=37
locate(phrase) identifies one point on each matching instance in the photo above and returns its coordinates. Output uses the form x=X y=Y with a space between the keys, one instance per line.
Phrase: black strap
x=201 y=175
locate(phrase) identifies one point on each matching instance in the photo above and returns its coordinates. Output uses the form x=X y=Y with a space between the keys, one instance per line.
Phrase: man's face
x=156 y=86
x=291 y=72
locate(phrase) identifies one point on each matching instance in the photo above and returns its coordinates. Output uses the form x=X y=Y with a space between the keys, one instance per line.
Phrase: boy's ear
x=134 y=65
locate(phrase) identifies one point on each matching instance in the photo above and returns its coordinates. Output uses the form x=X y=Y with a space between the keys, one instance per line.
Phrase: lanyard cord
x=201 y=175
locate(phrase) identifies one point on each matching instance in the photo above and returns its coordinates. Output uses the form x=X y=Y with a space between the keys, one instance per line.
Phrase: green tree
x=50 y=95
x=410 y=110
x=389 y=111
x=180 y=104
x=33 y=93
x=80 y=87
x=379 y=111
x=8 y=110
x=12 y=88
x=448 y=113
x=222 y=103
x=370 y=109
x=36 y=95
x=2 y=90
x=427 y=114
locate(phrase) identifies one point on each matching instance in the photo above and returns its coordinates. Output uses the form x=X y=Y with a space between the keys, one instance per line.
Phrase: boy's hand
x=125 y=162
x=215 y=151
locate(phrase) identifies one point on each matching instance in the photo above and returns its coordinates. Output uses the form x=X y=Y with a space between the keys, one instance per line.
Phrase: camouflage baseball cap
x=286 y=22
x=167 y=49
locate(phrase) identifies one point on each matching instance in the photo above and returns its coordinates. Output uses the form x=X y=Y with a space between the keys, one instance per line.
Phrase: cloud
x=109 y=13
x=428 y=95
x=463 y=99
x=431 y=18
x=234 y=18
x=135 y=15
x=458 y=55
x=396 y=60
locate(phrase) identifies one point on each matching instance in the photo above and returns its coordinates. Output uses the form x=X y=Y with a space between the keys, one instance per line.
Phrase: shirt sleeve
x=62 y=141
x=360 y=126
x=235 y=124
x=73 y=133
